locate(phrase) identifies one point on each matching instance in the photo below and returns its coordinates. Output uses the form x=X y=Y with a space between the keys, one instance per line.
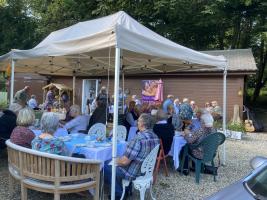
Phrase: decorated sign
x=152 y=91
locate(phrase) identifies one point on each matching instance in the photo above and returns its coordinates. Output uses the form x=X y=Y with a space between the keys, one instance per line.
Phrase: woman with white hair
x=197 y=136
x=22 y=135
x=78 y=123
x=46 y=142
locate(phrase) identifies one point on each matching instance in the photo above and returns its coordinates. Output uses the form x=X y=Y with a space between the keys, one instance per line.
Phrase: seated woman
x=197 y=136
x=79 y=122
x=46 y=142
x=22 y=135
x=164 y=130
x=132 y=115
x=99 y=115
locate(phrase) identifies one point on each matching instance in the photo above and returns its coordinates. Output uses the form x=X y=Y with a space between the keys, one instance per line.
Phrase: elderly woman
x=99 y=115
x=22 y=135
x=46 y=142
x=164 y=130
x=196 y=137
x=79 y=122
x=8 y=122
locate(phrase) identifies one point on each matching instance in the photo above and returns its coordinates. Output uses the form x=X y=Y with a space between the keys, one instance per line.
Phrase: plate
x=101 y=144
x=65 y=138
x=81 y=145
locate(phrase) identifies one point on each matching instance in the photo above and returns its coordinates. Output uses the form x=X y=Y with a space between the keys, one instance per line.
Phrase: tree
x=16 y=27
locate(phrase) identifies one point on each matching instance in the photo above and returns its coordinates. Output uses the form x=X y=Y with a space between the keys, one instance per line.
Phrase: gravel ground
x=175 y=187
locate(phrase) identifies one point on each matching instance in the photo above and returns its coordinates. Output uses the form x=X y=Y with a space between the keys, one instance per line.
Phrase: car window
x=258 y=183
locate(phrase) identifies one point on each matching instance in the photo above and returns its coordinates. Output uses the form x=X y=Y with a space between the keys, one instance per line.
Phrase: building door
x=89 y=92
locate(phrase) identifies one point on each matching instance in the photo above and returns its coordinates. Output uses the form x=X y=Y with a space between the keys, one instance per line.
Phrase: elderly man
x=129 y=165
x=22 y=96
x=32 y=102
x=167 y=102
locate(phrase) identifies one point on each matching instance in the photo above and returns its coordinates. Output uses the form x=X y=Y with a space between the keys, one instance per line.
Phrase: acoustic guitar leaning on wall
x=248 y=123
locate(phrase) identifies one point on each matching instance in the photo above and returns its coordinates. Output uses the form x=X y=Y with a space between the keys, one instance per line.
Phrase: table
x=177 y=144
x=59 y=133
x=132 y=133
x=102 y=153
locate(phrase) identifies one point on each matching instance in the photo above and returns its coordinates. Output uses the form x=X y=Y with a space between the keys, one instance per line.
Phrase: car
x=253 y=186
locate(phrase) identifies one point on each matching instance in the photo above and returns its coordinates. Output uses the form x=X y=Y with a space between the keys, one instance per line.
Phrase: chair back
x=99 y=130
x=121 y=132
x=210 y=144
x=148 y=164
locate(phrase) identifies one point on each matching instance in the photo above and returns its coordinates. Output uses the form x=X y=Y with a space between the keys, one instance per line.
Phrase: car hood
x=235 y=191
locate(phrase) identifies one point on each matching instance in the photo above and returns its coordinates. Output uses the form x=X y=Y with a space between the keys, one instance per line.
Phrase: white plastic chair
x=121 y=133
x=99 y=130
x=142 y=183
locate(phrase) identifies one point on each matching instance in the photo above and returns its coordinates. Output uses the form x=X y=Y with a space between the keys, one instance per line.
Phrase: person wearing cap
x=167 y=102
x=22 y=96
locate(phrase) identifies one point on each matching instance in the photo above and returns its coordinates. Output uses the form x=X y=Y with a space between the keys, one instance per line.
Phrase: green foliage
x=236 y=127
x=197 y=24
x=17 y=29
x=3 y=105
x=217 y=124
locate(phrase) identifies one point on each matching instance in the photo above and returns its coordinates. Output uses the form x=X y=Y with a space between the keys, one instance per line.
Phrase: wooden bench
x=51 y=173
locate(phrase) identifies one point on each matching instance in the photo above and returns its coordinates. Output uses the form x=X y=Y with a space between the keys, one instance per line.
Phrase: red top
x=22 y=136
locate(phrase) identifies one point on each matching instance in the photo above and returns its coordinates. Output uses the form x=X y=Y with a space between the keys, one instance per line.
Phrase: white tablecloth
x=98 y=153
x=177 y=144
x=132 y=133
x=59 y=133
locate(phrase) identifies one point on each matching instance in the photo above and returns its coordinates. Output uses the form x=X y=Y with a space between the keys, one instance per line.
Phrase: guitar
x=248 y=123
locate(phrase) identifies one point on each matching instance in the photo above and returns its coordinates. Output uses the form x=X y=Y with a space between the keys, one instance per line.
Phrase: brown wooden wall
x=198 y=88
x=34 y=81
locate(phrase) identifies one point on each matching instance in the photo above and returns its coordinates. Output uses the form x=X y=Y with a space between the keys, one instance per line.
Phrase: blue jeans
x=119 y=177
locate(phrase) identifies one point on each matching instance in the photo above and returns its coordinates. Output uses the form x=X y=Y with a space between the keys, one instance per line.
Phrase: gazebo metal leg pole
x=12 y=81
x=123 y=93
x=224 y=110
x=73 y=87
x=115 y=120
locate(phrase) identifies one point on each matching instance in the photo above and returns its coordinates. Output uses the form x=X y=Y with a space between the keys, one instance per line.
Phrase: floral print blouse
x=49 y=144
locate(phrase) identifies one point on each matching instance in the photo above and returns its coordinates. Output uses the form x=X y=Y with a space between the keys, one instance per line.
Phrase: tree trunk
x=261 y=68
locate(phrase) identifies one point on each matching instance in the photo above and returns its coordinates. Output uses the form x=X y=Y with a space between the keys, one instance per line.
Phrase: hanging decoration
x=152 y=91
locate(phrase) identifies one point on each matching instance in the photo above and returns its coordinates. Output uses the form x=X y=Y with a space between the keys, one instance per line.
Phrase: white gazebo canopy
x=88 y=49
x=110 y=44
